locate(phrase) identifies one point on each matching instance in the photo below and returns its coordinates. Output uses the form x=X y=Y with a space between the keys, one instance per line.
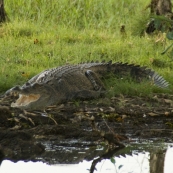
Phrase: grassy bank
x=42 y=34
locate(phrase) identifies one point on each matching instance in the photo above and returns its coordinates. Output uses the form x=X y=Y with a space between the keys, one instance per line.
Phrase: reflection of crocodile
x=82 y=81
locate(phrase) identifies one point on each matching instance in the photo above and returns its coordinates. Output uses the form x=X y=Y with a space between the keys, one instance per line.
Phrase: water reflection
x=154 y=160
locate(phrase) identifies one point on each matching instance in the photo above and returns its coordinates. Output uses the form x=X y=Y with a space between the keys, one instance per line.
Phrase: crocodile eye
x=36 y=85
x=28 y=84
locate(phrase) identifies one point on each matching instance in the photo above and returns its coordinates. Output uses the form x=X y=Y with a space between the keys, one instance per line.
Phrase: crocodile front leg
x=86 y=94
x=95 y=81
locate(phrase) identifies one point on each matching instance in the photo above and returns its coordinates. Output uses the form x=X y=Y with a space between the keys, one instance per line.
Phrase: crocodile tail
x=138 y=73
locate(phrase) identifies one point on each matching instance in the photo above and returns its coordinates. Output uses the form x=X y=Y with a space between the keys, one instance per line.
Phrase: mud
x=83 y=125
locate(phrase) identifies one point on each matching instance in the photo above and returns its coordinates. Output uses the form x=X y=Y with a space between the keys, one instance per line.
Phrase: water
x=146 y=157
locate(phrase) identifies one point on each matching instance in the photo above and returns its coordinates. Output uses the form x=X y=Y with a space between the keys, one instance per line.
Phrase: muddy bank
x=83 y=124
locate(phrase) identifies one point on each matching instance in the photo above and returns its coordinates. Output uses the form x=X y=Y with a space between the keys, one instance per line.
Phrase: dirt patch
x=88 y=123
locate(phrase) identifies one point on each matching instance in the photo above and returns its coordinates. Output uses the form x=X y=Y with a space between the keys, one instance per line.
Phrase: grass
x=42 y=34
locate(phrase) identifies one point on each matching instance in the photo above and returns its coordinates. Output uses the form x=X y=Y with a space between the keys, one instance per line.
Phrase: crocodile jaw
x=25 y=100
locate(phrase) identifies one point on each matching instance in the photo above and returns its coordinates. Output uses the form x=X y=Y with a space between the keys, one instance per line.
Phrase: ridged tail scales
x=124 y=70
x=139 y=73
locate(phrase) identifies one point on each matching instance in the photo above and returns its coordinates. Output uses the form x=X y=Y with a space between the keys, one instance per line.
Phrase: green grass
x=41 y=34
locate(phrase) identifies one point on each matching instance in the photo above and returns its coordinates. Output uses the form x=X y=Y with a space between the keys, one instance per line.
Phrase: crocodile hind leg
x=95 y=81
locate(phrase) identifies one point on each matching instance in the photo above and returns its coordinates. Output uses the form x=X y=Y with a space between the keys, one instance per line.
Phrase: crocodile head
x=32 y=97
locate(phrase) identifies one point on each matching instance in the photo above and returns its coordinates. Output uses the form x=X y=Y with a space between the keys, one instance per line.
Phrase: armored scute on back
x=81 y=81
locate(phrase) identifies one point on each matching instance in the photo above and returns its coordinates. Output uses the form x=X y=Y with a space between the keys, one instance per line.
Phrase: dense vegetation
x=41 y=34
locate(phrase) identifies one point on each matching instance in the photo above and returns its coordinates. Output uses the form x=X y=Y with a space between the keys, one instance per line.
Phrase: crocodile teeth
x=24 y=100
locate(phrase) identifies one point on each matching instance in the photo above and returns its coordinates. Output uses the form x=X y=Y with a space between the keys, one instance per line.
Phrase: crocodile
x=82 y=81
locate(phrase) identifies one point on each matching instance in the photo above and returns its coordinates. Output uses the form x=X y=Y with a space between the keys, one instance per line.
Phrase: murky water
x=145 y=157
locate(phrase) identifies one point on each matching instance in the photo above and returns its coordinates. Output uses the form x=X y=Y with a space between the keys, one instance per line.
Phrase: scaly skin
x=82 y=81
